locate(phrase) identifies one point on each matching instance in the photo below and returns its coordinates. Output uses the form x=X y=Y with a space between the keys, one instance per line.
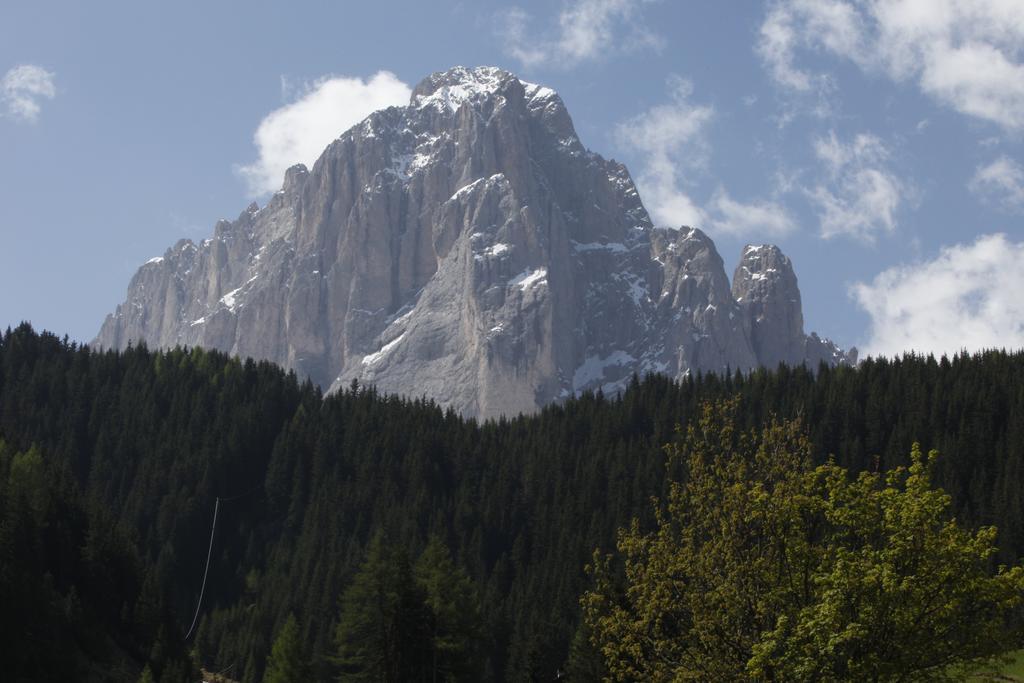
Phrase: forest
x=112 y=465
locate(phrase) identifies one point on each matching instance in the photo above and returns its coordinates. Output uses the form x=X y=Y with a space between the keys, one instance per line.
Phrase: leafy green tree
x=454 y=607
x=286 y=663
x=762 y=567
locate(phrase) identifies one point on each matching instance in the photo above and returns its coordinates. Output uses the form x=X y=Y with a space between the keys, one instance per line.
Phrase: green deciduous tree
x=763 y=567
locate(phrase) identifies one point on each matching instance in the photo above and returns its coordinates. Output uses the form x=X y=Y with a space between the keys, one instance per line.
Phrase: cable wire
x=209 y=553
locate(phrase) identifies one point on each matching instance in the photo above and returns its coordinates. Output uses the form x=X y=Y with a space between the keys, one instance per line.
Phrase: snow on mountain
x=468 y=248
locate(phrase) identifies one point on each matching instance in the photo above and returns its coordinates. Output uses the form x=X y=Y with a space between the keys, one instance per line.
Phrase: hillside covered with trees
x=112 y=464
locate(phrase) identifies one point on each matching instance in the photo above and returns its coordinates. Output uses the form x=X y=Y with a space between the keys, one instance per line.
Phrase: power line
x=209 y=552
x=254 y=489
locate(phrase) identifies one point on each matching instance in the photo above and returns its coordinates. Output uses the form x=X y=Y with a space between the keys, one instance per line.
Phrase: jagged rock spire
x=466 y=247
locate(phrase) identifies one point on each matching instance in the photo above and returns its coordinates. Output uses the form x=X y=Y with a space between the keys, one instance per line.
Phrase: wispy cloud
x=672 y=141
x=966 y=298
x=859 y=196
x=298 y=132
x=1001 y=184
x=966 y=55
x=23 y=88
x=671 y=138
x=760 y=219
x=795 y=24
x=587 y=29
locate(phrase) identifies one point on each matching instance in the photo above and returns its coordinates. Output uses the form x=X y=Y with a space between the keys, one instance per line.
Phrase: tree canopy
x=102 y=557
x=761 y=566
x=401 y=622
x=287 y=663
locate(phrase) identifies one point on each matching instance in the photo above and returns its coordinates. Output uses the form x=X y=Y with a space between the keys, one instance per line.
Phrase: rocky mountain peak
x=489 y=88
x=765 y=276
x=470 y=249
x=765 y=287
x=294 y=177
x=461 y=84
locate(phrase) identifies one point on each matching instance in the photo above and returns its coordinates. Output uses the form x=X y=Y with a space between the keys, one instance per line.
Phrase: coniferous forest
x=336 y=514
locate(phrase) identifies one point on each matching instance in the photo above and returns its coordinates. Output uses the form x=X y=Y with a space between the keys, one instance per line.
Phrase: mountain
x=468 y=248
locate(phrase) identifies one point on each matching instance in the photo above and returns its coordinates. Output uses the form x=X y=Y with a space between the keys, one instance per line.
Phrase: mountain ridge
x=469 y=248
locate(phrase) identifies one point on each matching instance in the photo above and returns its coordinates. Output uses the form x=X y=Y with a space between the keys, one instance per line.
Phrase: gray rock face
x=468 y=248
x=765 y=287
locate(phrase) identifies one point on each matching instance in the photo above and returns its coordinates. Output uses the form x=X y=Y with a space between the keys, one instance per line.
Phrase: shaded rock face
x=764 y=285
x=467 y=248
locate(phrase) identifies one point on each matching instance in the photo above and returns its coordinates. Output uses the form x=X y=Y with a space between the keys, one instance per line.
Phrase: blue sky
x=880 y=143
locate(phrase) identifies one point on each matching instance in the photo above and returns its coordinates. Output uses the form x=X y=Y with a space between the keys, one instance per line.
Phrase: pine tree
x=585 y=663
x=151 y=437
x=454 y=607
x=286 y=663
x=384 y=630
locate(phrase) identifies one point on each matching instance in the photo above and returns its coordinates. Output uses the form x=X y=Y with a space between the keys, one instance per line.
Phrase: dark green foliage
x=455 y=636
x=585 y=661
x=71 y=582
x=409 y=623
x=150 y=439
x=385 y=627
x=287 y=663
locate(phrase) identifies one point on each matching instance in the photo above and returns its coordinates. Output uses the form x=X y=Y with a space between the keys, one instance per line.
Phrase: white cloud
x=1001 y=183
x=671 y=139
x=587 y=29
x=964 y=53
x=299 y=132
x=670 y=136
x=966 y=298
x=860 y=195
x=776 y=47
x=761 y=219
x=22 y=88
x=796 y=24
x=516 y=34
